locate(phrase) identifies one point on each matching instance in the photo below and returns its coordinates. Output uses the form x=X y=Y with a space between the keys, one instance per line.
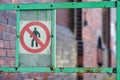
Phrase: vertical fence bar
x=118 y=42
x=53 y=35
x=17 y=39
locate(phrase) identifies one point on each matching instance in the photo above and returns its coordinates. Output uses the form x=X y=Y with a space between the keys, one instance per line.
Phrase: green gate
x=52 y=7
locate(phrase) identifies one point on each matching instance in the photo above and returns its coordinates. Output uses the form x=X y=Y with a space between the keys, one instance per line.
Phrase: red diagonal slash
x=43 y=45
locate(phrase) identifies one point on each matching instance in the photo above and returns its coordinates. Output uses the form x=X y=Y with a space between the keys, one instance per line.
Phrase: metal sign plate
x=35 y=38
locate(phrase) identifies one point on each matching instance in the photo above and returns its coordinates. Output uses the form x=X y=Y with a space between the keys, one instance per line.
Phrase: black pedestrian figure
x=33 y=41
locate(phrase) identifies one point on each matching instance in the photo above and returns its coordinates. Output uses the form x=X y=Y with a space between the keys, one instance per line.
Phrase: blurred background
x=85 y=38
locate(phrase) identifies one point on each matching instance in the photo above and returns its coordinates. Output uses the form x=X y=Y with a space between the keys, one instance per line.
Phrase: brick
x=30 y=75
x=11 y=14
x=11 y=53
x=4 y=14
x=2 y=28
x=8 y=76
x=7 y=29
x=1 y=35
x=2 y=52
x=45 y=76
x=6 y=44
x=13 y=37
x=12 y=44
x=1 y=44
x=1 y=62
x=6 y=36
x=19 y=76
x=11 y=62
x=3 y=19
x=12 y=30
x=12 y=22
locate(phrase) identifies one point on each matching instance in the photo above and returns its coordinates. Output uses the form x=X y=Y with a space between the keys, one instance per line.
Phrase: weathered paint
x=53 y=37
x=118 y=41
x=17 y=40
x=32 y=57
x=66 y=5
x=58 y=69
x=53 y=6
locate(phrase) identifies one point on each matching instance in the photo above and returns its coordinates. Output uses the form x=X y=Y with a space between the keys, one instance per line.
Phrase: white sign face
x=35 y=37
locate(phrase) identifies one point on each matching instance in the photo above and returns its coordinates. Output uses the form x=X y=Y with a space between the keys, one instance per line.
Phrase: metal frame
x=53 y=34
x=66 y=5
x=17 y=39
x=118 y=41
x=53 y=7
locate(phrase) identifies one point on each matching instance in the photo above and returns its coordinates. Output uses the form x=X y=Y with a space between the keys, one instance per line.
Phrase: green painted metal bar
x=58 y=70
x=7 y=69
x=118 y=41
x=53 y=36
x=17 y=39
x=53 y=6
x=67 y=5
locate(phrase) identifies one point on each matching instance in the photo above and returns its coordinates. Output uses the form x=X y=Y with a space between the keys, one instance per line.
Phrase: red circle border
x=46 y=41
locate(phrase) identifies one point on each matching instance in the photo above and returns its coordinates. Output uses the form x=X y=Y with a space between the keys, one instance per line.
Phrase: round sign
x=42 y=45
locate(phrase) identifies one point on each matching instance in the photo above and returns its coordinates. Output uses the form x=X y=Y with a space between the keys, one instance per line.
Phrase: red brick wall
x=7 y=38
x=7 y=45
x=62 y=16
x=90 y=35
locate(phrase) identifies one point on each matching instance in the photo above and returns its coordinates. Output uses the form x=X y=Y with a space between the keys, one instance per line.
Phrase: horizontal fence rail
x=59 y=69
x=53 y=7
x=67 y=5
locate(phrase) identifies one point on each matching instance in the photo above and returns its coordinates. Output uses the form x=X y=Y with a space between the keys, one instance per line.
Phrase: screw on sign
x=34 y=35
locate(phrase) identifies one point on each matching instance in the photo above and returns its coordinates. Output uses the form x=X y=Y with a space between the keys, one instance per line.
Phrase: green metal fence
x=53 y=7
